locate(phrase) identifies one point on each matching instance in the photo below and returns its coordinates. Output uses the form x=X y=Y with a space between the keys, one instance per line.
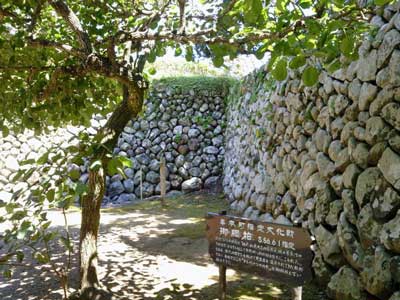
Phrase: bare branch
x=73 y=22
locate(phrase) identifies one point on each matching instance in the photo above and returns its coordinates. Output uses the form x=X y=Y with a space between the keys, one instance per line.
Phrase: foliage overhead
x=61 y=60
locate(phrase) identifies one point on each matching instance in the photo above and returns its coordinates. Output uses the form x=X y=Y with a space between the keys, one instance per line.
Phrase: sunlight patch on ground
x=184 y=221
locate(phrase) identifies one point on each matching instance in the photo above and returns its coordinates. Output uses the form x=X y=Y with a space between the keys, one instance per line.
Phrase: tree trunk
x=91 y=203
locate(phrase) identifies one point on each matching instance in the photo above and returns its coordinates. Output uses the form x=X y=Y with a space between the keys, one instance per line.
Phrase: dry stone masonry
x=183 y=121
x=328 y=158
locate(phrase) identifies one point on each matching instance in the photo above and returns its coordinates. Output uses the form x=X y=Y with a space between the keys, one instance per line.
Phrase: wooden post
x=163 y=179
x=222 y=282
x=297 y=293
x=141 y=183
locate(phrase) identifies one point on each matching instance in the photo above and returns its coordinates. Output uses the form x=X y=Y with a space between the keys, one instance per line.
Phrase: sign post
x=278 y=252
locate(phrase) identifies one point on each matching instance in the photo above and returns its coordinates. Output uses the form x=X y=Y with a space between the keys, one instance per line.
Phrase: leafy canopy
x=63 y=60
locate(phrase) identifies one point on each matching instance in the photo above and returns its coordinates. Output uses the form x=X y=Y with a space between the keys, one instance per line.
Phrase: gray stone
x=367 y=94
x=394 y=140
x=376 y=130
x=193 y=133
x=391 y=114
x=390 y=234
x=153 y=177
x=375 y=153
x=349 y=244
x=211 y=182
x=147 y=190
x=376 y=275
x=115 y=188
x=390 y=41
x=123 y=198
x=192 y=184
x=143 y=159
x=211 y=150
x=368 y=228
x=389 y=164
x=282 y=220
x=370 y=183
x=394 y=68
x=386 y=205
x=328 y=243
x=343 y=160
x=323 y=272
x=367 y=66
x=384 y=97
x=154 y=165
x=350 y=207
x=129 y=185
x=335 y=208
x=325 y=166
x=395 y=296
x=350 y=176
x=360 y=155
x=346 y=285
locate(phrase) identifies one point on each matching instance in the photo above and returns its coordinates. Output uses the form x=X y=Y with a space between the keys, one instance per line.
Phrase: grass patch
x=196 y=83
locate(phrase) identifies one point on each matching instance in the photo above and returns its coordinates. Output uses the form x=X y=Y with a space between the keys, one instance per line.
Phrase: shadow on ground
x=147 y=251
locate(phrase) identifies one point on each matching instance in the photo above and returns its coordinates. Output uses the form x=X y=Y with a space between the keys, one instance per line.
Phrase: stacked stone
x=328 y=158
x=27 y=146
x=185 y=127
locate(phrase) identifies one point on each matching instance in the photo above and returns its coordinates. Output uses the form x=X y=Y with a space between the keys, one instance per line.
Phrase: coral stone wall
x=182 y=120
x=327 y=158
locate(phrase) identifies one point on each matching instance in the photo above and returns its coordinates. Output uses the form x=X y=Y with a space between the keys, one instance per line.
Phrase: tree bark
x=91 y=203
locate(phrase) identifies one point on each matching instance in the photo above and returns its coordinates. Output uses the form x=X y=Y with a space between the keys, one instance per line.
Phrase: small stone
x=367 y=66
x=367 y=94
x=369 y=184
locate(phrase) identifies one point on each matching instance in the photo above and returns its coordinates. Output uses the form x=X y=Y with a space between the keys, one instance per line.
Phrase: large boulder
x=376 y=276
x=192 y=184
x=346 y=285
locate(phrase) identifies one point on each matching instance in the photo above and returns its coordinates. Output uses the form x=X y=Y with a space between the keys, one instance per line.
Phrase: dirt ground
x=150 y=252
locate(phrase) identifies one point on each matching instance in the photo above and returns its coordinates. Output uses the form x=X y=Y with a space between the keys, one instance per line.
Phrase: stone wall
x=327 y=158
x=183 y=120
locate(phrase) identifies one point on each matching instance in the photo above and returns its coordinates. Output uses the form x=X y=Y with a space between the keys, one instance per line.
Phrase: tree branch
x=73 y=22
x=6 y=13
x=50 y=44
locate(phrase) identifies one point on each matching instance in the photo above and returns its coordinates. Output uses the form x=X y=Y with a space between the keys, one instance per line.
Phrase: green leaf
x=382 y=2
x=80 y=188
x=310 y=76
x=218 y=61
x=5 y=131
x=126 y=162
x=280 y=70
x=347 y=46
x=50 y=195
x=297 y=62
x=152 y=71
x=252 y=11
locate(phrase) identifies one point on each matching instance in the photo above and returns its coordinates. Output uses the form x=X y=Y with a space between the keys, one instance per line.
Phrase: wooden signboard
x=278 y=252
